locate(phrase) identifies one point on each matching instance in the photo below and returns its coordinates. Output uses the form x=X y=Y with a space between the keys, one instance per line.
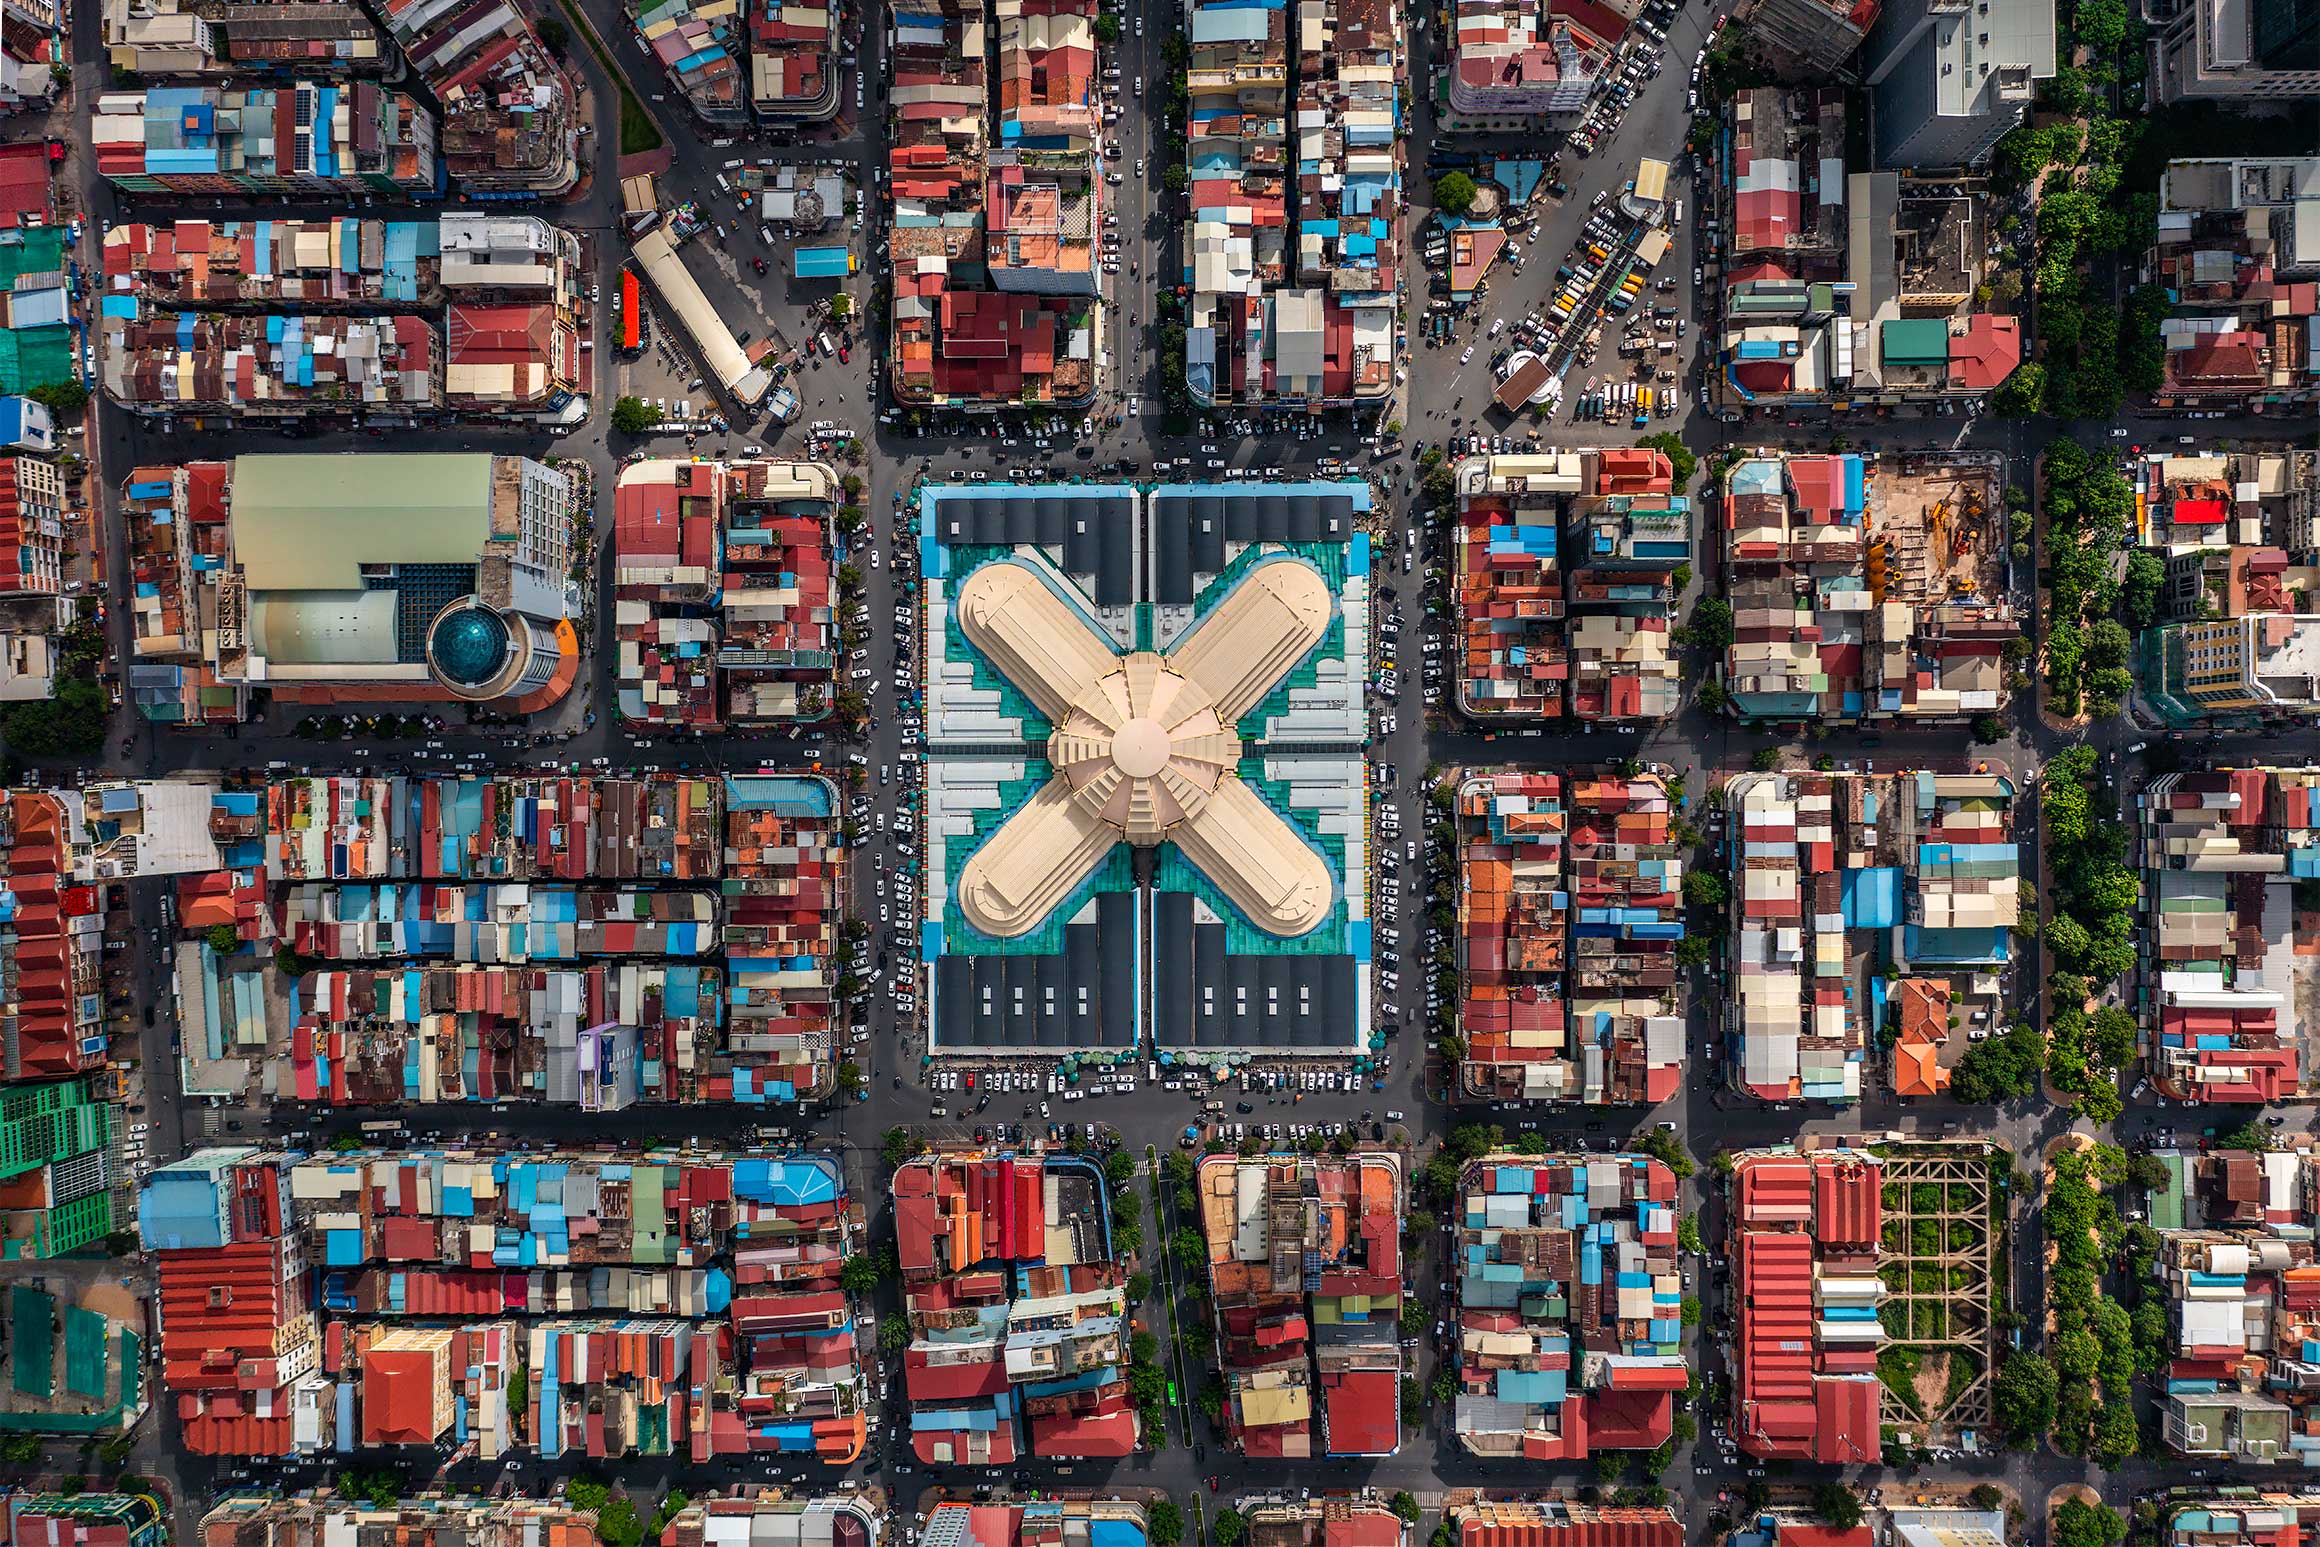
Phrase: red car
x=844 y=354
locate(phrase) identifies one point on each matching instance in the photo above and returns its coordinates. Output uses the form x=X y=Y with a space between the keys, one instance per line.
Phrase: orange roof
x=1917 y=1070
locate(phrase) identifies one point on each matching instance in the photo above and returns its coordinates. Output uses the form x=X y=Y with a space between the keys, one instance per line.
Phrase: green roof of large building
x=1914 y=341
x=306 y=522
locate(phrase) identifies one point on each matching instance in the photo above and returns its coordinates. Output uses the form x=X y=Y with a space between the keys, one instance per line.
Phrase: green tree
x=1119 y=1168
x=2139 y=592
x=1228 y=1529
x=1688 y=1233
x=898 y=1146
x=1405 y=1504
x=634 y=416
x=582 y=1492
x=617 y=1525
x=1706 y=889
x=1712 y=624
x=1662 y=1146
x=865 y=1271
x=64 y=399
x=222 y=939
x=893 y=1336
x=1989 y=730
x=2077 y=1523
x=1108 y=27
x=1454 y=193
x=2023 y=1397
x=1163 y=1521
x=2021 y=395
x=72 y=724
x=1837 y=1504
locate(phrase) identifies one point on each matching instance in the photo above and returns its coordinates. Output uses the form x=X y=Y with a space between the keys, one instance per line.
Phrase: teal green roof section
x=86 y=1357
x=1914 y=341
x=32 y=1340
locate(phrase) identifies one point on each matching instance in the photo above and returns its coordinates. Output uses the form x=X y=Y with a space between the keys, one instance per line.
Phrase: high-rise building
x=2261 y=663
x=1952 y=76
x=2264 y=50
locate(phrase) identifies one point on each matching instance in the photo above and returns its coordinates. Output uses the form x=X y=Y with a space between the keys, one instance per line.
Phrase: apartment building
x=52 y=1013
x=967 y=161
x=793 y=65
x=271 y=1520
x=2238 y=250
x=1569 y=1318
x=32 y=535
x=509 y=123
x=762 y=1512
x=1810 y=36
x=1304 y=1270
x=787 y=878
x=56 y=1176
x=1293 y=288
x=1556 y=1520
x=1569 y=911
x=1833 y=874
x=2222 y=853
x=241 y=1349
x=1866 y=590
x=1564 y=562
x=314 y=138
x=430 y=1269
x=701 y=48
x=2253 y=52
x=725 y=610
x=1951 y=81
x=1018 y=1317
x=1842 y=289
x=2242 y=1297
x=214 y=37
x=1521 y=64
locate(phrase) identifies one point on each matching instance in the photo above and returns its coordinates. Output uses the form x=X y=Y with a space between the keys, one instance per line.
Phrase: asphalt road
x=1439 y=403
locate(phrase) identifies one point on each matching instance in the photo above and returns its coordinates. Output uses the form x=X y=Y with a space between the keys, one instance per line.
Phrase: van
x=723 y=186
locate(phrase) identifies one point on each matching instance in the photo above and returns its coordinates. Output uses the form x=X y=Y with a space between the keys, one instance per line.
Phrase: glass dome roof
x=468 y=645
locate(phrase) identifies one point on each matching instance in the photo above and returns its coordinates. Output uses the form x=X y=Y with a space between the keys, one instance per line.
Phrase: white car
x=1468 y=357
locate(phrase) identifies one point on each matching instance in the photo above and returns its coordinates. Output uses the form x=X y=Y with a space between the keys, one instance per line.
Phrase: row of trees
x=2092 y=353
x=2090 y=512
x=2093 y=1366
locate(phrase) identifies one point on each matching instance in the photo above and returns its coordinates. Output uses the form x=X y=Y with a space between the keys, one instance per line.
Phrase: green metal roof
x=1904 y=341
x=305 y=522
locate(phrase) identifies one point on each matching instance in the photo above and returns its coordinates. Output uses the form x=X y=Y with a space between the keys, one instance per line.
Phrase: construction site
x=1936 y=531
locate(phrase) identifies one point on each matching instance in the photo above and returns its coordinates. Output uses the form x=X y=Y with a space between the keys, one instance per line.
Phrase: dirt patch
x=1931 y=1387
